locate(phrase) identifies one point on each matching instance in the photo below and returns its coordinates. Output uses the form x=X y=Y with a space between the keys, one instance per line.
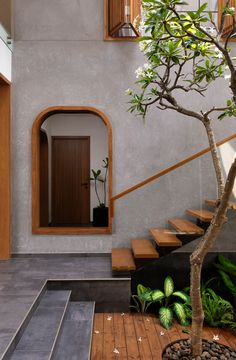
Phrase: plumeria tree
x=185 y=54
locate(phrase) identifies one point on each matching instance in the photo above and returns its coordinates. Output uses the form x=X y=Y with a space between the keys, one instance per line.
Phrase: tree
x=185 y=54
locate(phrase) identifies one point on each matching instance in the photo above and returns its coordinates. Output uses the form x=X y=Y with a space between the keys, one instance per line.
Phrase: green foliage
x=167 y=301
x=181 y=53
x=217 y=311
x=227 y=269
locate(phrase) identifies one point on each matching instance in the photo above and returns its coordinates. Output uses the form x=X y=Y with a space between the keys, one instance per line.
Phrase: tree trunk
x=215 y=157
x=196 y=261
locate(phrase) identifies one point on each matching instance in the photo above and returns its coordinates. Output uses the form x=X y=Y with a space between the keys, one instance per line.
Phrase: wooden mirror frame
x=36 y=228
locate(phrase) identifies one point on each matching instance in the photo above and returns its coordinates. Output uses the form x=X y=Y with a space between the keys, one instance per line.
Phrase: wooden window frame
x=220 y=10
x=36 y=228
x=107 y=36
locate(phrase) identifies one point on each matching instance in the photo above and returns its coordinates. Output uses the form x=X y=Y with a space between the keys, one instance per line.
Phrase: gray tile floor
x=21 y=279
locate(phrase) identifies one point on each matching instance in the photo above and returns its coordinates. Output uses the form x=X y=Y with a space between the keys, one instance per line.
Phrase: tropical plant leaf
x=141 y=289
x=227 y=265
x=166 y=317
x=157 y=295
x=168 y=286
x=228 y=282
x=146 y=296
x=180 y=313
x=183 y=296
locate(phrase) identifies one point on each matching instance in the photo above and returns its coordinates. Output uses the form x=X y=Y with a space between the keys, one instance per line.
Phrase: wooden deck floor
x=136 y=336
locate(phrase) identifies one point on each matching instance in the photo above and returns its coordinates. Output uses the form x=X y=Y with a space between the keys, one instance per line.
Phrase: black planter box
x=100 y=216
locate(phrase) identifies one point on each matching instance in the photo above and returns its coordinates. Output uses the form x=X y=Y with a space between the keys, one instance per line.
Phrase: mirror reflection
x=74 y=171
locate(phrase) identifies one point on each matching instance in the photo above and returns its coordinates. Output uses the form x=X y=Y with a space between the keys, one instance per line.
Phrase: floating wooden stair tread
x=165 y=237
x=203 y=215
x=143 y=249
x=232 y=205
x=122 y=260
x=186 y=227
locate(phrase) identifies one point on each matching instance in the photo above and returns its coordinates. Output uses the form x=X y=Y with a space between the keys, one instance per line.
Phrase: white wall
x=81 y=125
x=5 y=60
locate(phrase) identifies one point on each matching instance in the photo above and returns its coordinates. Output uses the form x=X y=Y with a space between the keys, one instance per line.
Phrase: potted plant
x=100 y=213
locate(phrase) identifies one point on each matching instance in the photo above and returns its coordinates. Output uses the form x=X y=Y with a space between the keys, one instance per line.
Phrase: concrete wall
x=81 y=125
x=60 y=58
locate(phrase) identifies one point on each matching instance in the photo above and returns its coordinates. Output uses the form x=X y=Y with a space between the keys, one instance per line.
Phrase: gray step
x=39 y=336
x=74 y=341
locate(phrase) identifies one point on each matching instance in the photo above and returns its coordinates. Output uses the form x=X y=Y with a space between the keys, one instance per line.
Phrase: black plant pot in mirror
x=100 y=216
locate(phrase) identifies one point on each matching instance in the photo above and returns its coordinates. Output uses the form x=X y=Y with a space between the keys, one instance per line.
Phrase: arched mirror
x=72 y=171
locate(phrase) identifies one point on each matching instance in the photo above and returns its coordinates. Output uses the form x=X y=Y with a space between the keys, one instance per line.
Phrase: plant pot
x=100 y=216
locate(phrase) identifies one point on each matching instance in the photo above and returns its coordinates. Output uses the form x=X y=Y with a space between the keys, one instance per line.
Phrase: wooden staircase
x=163 y=241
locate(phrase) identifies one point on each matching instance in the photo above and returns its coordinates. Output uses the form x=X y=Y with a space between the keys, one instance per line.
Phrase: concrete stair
x=75 y=336
x=39 y=335
x=57 y=329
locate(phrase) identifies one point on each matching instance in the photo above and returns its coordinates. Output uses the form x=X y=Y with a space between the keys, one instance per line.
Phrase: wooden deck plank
x=122 y=332
x=143 y=249
x=122 y=259
x=165 y=237
x=131 y=338
x=120 y=342
x=109 y=339
x=153 y=340
x=143 y=344
x=97 y=341
x=203 y=215
x=185 y=227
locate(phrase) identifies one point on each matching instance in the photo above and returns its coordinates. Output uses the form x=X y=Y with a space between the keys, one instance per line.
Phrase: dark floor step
x=143 y=249
x=203 y=215
x=212 y=202
x=185 y=227
x=74 y=340
x=122 y=260
x=38 y=338
x=165 y=238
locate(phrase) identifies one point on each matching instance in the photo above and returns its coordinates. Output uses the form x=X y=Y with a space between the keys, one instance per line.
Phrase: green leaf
x=141 y=289
x=228 y=282
x=157 y=295
x=180 y=313
x=146 y=296
x=183 y=296
x=228 y=265
x=166 y=317
x=168 y=286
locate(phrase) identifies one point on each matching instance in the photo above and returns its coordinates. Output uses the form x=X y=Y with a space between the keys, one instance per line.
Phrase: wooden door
x=70 y=180
x=44 y=187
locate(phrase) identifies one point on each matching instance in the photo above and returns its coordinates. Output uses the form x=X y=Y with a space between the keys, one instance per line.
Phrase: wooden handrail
x=169 y=169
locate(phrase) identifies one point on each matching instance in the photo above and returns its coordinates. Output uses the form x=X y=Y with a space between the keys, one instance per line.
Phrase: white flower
x=216 y=337
x=147 y=66
x=162 y=333
x=129 y=92
x=140 y=339
x=109 y=318
x=122 y=314
x=232 y=9
x=96 y=332
x=139 y=72
x=116 y=351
